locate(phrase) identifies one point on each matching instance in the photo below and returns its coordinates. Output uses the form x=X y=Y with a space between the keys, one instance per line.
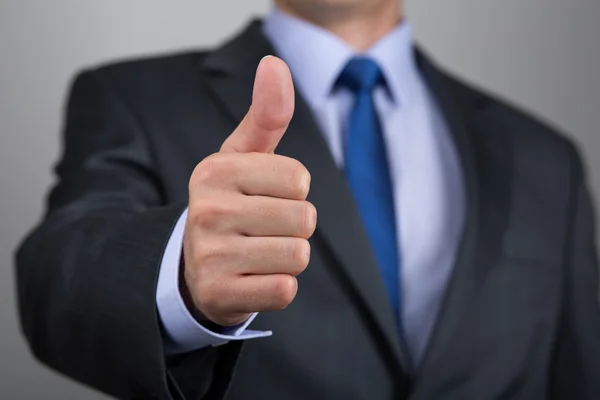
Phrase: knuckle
x=301 y=255
x=285 y=291
x=211 y=170
x=208 y=303
x=207 y=253
x=300 y=181
x=194 y=214
x=208 y=213
x=207 y=289
x=203 y=172
x=209 y=297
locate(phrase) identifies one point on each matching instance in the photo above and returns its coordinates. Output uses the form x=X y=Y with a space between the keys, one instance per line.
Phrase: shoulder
x=143 y=79
x=500 y=127
x=149 y=90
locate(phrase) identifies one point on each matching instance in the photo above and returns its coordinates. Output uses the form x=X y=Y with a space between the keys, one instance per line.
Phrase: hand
x=248 y=224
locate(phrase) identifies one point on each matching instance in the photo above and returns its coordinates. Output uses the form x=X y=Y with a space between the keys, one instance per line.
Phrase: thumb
x=270 y=113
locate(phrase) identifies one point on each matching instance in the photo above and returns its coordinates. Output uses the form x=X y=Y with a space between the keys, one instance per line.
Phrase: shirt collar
x=316 y=57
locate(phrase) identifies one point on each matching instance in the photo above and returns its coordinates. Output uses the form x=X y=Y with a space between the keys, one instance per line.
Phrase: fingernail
x=265 y=57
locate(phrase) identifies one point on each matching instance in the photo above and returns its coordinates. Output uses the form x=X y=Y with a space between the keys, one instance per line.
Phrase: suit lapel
x=485 y=219
x=340 y=229
x=231 y=74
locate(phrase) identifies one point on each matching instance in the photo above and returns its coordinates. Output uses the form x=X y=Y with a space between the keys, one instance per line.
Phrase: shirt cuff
x=183 y=332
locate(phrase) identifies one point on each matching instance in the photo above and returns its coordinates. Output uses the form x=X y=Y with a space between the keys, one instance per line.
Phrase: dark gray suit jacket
x=520 y=319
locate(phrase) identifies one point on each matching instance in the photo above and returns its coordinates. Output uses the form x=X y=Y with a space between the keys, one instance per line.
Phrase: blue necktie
x=368 y=174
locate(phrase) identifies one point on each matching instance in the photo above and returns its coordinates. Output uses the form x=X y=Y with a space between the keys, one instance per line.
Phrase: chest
x=499 y=295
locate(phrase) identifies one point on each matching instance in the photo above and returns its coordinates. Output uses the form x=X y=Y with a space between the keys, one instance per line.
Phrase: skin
x=248 y=225
x=360 y=23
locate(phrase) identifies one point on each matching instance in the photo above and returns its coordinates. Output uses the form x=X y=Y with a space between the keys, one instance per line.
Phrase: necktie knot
x=361 y=74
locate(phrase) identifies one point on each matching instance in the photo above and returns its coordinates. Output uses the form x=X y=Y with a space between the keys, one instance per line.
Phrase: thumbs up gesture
x=248 y=224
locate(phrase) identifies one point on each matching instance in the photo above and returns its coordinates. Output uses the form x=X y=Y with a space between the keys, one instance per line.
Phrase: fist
x=248 y=224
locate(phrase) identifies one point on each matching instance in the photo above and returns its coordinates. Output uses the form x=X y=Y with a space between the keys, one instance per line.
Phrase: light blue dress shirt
x=424 y=166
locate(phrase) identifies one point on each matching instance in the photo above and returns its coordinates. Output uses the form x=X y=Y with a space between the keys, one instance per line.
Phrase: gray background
x=542 y=54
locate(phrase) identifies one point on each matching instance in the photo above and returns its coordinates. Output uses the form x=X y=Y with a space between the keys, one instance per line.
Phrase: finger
x=258 y=293
x=255 y=216
x=241 y=255
x=254 y=174
x=270 y=113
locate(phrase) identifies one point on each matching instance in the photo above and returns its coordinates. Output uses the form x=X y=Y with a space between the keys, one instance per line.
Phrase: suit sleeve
x=577 y=359
x=87 y=274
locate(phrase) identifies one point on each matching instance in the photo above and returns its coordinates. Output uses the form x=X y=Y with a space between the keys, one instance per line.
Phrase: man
x=453 y=258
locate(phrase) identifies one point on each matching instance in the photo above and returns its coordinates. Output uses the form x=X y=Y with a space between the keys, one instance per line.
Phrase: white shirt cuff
x=184 y=333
